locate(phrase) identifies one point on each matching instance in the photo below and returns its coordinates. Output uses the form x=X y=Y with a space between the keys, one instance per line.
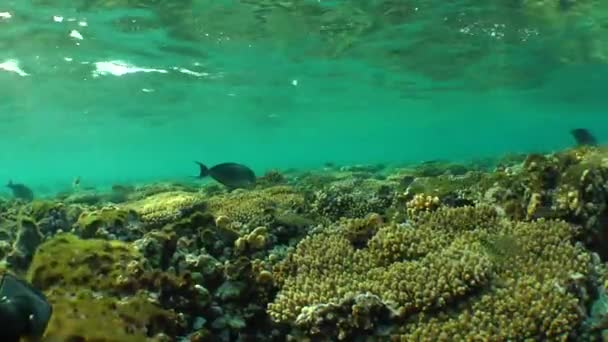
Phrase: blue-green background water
x=127 y=91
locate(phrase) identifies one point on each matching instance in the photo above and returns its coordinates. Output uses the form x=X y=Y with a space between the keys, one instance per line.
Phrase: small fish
x=583 y=137
x=21 y=191
x=76 y=183
x=232 y=175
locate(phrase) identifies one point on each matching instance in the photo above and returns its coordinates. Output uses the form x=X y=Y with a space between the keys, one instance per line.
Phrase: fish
x=232 y=175
x=583 y=137
x=21 y=191
x=76 y=183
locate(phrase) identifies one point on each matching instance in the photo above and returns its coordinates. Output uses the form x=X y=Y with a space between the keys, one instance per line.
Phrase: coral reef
x=506 y=250
x=447 y=274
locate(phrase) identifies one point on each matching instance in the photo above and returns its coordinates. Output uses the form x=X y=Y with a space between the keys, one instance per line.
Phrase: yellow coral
x=422 y=202
x=445 y=256
x=253 y=241
x=254 y=207
x=165 y=207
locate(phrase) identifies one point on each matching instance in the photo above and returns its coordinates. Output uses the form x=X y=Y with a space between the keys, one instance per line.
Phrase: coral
x=162 y=208
x=440 y=264
x=532 y=294
x=253 y=241
x=353 y=316
x=571 y=185
x=157 y=248
x=445 y=187
x=359 y=231
x=255 y=208
x=422 y=202
x=147 y=190
x=352 y=199
x=114 y=222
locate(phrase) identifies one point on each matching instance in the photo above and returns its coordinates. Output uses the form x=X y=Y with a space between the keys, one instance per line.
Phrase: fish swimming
x=232 y=175
x=583 y=137
x=21 y=191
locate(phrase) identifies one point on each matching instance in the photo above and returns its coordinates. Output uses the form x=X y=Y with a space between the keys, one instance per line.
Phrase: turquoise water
x=128 y=91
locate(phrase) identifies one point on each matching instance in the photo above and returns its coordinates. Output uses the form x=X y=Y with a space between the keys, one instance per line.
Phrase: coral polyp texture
x=434 y=252
x=455 y=271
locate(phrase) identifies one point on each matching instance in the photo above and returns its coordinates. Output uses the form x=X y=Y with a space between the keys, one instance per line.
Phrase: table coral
x=255 y=208
x=162 y=208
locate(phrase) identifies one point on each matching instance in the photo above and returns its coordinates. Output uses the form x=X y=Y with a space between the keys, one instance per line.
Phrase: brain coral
x=454 y=271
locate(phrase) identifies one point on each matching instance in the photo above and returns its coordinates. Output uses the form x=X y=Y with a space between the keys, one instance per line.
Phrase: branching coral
x=453 y=271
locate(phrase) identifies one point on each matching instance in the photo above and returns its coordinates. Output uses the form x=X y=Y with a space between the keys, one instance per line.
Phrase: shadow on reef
x=509 y=251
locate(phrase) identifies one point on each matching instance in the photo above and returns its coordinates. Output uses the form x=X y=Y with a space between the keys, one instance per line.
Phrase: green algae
x=89 y=223
x=67 y=261
x=41 y=208
x=93 y=287
x=87 y=316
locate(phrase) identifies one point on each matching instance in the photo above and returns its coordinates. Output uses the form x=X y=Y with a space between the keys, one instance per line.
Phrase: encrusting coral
x=165 y=207
x=257 y=208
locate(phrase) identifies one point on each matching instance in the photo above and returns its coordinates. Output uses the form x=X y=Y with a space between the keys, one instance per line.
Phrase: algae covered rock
x=24 y=247
x=66 y=261
x=112 y=222
x=95 y=284
x=88 y=316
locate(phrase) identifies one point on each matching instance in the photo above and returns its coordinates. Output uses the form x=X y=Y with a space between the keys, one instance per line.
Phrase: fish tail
x=204 y=171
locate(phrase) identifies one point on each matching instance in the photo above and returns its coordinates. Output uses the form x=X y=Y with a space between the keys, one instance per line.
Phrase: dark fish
x=76 y=183
x=21 y=191
x=232 y=175
x=583 y=137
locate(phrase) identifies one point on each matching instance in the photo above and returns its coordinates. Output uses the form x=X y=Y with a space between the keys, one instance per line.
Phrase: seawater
x=135 y=91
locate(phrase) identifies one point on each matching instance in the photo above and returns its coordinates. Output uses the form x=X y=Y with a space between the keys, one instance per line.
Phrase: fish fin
x=204 y=171
x=9 y=184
